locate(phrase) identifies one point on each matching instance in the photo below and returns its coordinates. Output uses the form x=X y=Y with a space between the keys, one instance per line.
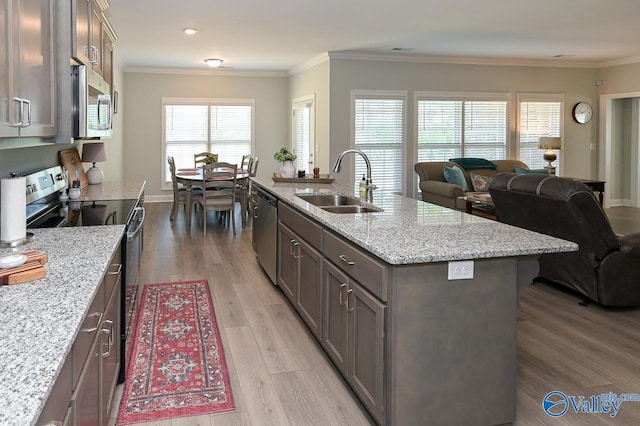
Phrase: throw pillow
x=454 y=175
x=480 y=183
x=521 y=170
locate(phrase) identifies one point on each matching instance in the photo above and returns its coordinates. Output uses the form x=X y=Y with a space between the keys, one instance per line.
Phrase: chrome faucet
x=338 y=166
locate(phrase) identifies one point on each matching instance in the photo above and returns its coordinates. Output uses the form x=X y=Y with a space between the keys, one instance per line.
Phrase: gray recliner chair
x=606 y=269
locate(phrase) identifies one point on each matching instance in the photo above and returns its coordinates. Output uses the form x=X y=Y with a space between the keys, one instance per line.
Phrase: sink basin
x=322 y=200
x=351 y=209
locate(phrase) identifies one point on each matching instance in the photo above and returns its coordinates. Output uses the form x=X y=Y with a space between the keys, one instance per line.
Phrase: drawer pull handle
x=92 y=329
x=342 y=302
x=118 y=267
x=347 y=261
x=109 y=333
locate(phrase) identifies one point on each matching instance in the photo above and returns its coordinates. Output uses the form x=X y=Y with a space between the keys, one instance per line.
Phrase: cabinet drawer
x=57 y=405
x=88 y=332
x=310 y=231
x=368 y=271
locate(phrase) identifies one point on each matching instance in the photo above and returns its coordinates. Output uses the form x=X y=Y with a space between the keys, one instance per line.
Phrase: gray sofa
x=435 y=189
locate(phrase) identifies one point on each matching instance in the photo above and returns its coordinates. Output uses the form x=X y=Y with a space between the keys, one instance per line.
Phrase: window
x=193 y=126
x=538 y=115
x=379 y=133
x=462 y=126
x=303 y=132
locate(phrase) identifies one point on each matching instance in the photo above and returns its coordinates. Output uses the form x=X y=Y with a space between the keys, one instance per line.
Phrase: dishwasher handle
x=269 y=199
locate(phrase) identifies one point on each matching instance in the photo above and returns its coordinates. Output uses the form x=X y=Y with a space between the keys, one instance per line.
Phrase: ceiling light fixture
x=214 y=63
x=190 y=31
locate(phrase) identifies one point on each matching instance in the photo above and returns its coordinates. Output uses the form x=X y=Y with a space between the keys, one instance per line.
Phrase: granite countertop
x=39 y=320
x=113 y=190
x=410 y=231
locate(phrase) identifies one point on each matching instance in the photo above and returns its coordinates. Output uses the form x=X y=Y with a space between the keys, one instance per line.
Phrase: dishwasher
x=265 y=230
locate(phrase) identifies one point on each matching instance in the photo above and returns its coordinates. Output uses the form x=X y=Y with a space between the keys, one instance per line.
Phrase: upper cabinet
x=93 y=37
x=27 y=68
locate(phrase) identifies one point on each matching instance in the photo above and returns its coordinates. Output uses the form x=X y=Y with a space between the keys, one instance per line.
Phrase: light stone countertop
x=410 y=231
x=39 y=320
x=113 y=190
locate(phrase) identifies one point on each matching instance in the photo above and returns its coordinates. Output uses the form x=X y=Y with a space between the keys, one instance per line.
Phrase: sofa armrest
x=443 y=189
x=630 y=244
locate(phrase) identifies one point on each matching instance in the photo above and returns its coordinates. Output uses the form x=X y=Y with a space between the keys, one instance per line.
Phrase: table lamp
x=94 y=153
x=550 y=143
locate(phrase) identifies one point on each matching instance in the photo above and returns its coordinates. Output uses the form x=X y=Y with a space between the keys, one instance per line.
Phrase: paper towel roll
x=13 y=209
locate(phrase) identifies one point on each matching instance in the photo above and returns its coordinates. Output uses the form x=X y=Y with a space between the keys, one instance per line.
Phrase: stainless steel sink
x=351 y=209
x=322 y=200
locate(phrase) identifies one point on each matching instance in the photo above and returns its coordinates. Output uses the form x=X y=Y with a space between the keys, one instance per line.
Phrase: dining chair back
x=219 y=184
x=254 y=167
x=199 y=159
x=179 y=193
x=245 y=164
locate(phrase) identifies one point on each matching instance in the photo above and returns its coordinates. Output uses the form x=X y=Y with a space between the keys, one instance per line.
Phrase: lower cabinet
x=353 y=336
x=299 y=276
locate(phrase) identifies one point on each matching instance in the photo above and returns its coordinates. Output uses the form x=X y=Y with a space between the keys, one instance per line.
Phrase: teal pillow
x=454 y=175
x=521 y=170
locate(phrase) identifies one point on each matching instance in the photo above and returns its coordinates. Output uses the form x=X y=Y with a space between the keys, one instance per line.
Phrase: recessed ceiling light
x=214 y=63
x=190 y=31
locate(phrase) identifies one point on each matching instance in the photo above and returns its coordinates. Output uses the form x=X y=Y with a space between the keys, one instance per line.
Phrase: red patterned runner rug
x=178 y=367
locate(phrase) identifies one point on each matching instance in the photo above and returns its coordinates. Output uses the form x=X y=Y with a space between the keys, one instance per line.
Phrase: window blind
x=538 y=118
x=379 y=125
x=302 y=130
x=191 y=128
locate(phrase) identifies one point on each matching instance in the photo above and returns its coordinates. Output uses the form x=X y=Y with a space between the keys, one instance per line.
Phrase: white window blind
x=379 y=124
x=449 y=128
x=191 y=128
x=302 y=137
x=538 y=118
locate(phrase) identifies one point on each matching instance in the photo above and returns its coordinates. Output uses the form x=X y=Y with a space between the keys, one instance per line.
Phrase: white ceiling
x=279 y=35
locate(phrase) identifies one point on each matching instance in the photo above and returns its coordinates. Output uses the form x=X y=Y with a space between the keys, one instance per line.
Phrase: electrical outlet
x=461 y=270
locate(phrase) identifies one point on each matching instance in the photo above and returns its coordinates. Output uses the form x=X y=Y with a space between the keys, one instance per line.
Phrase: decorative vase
x=287 y=170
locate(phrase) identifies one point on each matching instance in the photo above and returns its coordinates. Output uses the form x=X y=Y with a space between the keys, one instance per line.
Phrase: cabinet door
x=287 y=264
x=309 y=302
x=107 y=61
x=37 y=77
x=87 y=396
x=110 y=351
x=334 y=332
x=81 y=10
x=7 y=105
x=366 y=348
x=96 y=40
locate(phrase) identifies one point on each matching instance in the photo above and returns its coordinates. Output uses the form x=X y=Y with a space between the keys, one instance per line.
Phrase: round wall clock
x=582 y=112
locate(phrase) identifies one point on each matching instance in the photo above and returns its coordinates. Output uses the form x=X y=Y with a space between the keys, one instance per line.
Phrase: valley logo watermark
x=556 y=403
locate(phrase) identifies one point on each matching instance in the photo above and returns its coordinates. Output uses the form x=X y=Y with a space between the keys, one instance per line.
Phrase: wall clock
x=582 y=112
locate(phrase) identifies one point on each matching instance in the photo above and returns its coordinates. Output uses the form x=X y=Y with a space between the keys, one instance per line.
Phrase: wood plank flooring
x=280 y=376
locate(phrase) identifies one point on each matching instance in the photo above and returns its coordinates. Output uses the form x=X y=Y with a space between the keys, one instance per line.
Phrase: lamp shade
x=550 y=142
x=93 y=153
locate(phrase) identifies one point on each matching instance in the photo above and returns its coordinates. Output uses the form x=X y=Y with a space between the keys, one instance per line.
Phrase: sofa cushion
x=480 y=182
x=455 y=176
x=470 y=163
x=522 y=170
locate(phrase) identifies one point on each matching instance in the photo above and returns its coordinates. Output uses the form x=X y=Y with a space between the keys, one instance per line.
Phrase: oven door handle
x=138 y=216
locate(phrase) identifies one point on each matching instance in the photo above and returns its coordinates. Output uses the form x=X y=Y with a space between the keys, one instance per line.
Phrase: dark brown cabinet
x=353 y=336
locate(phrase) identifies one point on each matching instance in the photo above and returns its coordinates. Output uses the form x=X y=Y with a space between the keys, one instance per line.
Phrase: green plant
x=210 y=159
x=284 y=155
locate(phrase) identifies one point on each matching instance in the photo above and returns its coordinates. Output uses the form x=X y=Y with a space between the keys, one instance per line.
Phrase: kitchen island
x=420 y=337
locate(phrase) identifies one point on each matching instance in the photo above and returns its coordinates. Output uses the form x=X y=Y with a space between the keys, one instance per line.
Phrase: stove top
x=80 y=213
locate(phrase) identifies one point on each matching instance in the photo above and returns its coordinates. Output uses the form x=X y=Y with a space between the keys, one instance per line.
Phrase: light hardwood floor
x=280 y=376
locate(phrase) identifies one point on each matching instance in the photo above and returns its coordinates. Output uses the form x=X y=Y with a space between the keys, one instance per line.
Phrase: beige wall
x=315 y=81
x=575 y=83
x=142 y=104
x=620 y=78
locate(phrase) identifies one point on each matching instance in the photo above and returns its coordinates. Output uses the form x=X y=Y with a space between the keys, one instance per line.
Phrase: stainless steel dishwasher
x=265 y=230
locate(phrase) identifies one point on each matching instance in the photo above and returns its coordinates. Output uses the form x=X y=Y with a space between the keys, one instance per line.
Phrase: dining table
x=193 y=176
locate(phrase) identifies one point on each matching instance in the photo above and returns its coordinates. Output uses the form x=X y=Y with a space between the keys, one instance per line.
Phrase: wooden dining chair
x=199 y=159
x=219 y=183
x=245 y=164
x=179 y=192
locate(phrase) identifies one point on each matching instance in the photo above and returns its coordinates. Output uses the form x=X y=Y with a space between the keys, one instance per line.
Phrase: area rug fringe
x=178 y=367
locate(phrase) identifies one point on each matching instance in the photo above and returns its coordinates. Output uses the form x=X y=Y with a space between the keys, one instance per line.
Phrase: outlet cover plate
x=461 y=270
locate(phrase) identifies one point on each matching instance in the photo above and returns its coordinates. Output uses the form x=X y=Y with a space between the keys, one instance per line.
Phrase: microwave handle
x=104 y=99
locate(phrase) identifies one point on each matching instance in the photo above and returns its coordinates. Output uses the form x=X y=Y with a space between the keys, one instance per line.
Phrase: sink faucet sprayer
x=338 y=166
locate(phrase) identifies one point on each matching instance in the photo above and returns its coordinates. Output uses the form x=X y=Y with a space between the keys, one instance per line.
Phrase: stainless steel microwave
x=92 y=107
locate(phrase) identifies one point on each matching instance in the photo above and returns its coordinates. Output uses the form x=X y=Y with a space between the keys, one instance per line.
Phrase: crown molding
x=617 y=62
x=403 y=57
x=310 y=63
x=209 y=72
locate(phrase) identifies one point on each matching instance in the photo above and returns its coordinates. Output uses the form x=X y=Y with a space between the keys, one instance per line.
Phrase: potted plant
x=210 y=159
x=286 y=157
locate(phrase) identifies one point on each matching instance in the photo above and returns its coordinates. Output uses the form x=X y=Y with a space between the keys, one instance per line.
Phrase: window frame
x=209 y=102
x=541 y=97
x=401 y=95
